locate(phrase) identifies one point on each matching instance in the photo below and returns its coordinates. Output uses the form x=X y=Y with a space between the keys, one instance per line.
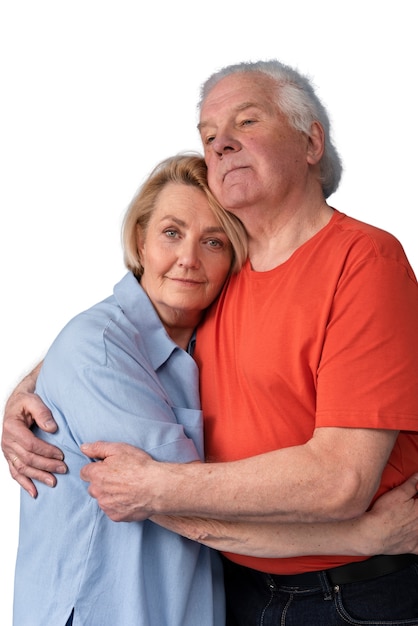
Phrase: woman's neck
x=180 y=336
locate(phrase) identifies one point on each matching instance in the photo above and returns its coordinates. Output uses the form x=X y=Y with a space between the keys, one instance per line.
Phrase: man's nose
x=225 y=142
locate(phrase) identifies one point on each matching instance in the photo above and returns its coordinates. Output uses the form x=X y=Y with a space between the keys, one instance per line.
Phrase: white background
x=93 y=93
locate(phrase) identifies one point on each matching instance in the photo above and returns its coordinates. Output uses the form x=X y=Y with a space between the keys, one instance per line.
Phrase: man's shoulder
x=381 y=241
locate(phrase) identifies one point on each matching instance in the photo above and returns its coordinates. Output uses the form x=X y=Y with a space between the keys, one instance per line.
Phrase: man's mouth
x=233 y=170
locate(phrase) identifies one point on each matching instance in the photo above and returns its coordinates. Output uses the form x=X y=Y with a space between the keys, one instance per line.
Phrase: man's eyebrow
x=241 y=107
x=202 y=125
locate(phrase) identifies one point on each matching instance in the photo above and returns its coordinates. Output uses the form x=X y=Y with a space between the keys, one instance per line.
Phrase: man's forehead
x=235 y=93
x=239 y=107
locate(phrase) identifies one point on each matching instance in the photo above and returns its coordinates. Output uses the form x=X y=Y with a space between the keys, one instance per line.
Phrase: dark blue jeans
x=254 y=599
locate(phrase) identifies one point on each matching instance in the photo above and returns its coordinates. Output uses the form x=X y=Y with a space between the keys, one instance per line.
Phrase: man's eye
x=209 y=139
x=170 y=232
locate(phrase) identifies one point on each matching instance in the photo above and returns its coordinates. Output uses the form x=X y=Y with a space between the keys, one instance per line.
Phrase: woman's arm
x=29 y=458
x=390 y=527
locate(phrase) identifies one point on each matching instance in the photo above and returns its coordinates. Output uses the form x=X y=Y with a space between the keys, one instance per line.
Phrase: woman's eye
x=215 y=243
x=170 y=232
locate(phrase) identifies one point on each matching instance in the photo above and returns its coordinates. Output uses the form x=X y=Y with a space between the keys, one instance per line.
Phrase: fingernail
x=50 y=482
x=61 y=469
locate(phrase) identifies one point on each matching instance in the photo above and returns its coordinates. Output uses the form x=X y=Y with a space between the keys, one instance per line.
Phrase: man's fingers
x=46 y=422
x=32 y=407
x=410 y=487
x=24 y=482
x=96 y=450
x=102 y=449
x=25 y=475
x=18 y=439
x=398 y=499
x=35 y=465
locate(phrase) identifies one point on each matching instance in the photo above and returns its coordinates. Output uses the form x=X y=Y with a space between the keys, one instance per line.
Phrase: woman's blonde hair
x=187 y=169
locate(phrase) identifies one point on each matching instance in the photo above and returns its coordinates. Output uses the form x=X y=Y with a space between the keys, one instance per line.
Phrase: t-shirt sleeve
x=370 y=352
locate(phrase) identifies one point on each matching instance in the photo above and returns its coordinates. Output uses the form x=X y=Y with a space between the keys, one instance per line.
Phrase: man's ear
x=316 y=143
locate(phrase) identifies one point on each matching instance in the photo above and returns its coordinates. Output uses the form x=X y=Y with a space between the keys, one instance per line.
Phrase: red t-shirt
x=328 y=338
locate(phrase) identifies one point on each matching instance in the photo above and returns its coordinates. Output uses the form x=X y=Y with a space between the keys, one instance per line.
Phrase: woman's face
x=185 y=254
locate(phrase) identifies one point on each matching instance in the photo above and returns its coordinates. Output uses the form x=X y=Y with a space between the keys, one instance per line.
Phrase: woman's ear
x=316 y=143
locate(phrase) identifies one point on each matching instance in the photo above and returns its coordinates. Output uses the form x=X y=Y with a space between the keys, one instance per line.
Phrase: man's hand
x=30 y=458
x=393 y=519
x=118 y=480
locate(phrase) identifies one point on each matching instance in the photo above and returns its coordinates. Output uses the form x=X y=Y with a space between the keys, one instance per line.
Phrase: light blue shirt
x=114 y=374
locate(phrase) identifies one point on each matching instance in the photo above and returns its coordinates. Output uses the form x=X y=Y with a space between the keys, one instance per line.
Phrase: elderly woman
x=123 y=370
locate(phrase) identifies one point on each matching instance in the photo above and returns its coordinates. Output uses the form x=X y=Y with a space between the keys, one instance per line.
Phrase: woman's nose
x=188 y=255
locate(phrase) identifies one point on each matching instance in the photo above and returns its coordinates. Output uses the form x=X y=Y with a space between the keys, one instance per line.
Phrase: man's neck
x=276 y=241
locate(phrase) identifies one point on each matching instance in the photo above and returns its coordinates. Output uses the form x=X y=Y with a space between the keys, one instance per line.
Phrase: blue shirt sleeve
x=99 y=403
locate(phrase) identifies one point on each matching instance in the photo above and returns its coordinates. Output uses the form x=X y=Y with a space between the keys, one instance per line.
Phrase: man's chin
x=234 y=202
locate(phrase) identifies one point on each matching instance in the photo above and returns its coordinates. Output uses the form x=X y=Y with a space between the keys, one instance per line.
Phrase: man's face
x=254 y=156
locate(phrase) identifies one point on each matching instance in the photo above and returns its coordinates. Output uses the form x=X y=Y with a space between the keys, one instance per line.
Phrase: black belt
x=351 y=572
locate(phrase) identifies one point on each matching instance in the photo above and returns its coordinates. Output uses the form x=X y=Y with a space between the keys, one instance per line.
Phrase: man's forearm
x=390 y=527
x=28 y=383
x=333 y=480
x=272 y=540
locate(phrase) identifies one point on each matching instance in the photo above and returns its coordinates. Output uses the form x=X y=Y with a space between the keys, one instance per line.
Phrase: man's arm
x=390 y=527
x=332 y=477
x=29 y=458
